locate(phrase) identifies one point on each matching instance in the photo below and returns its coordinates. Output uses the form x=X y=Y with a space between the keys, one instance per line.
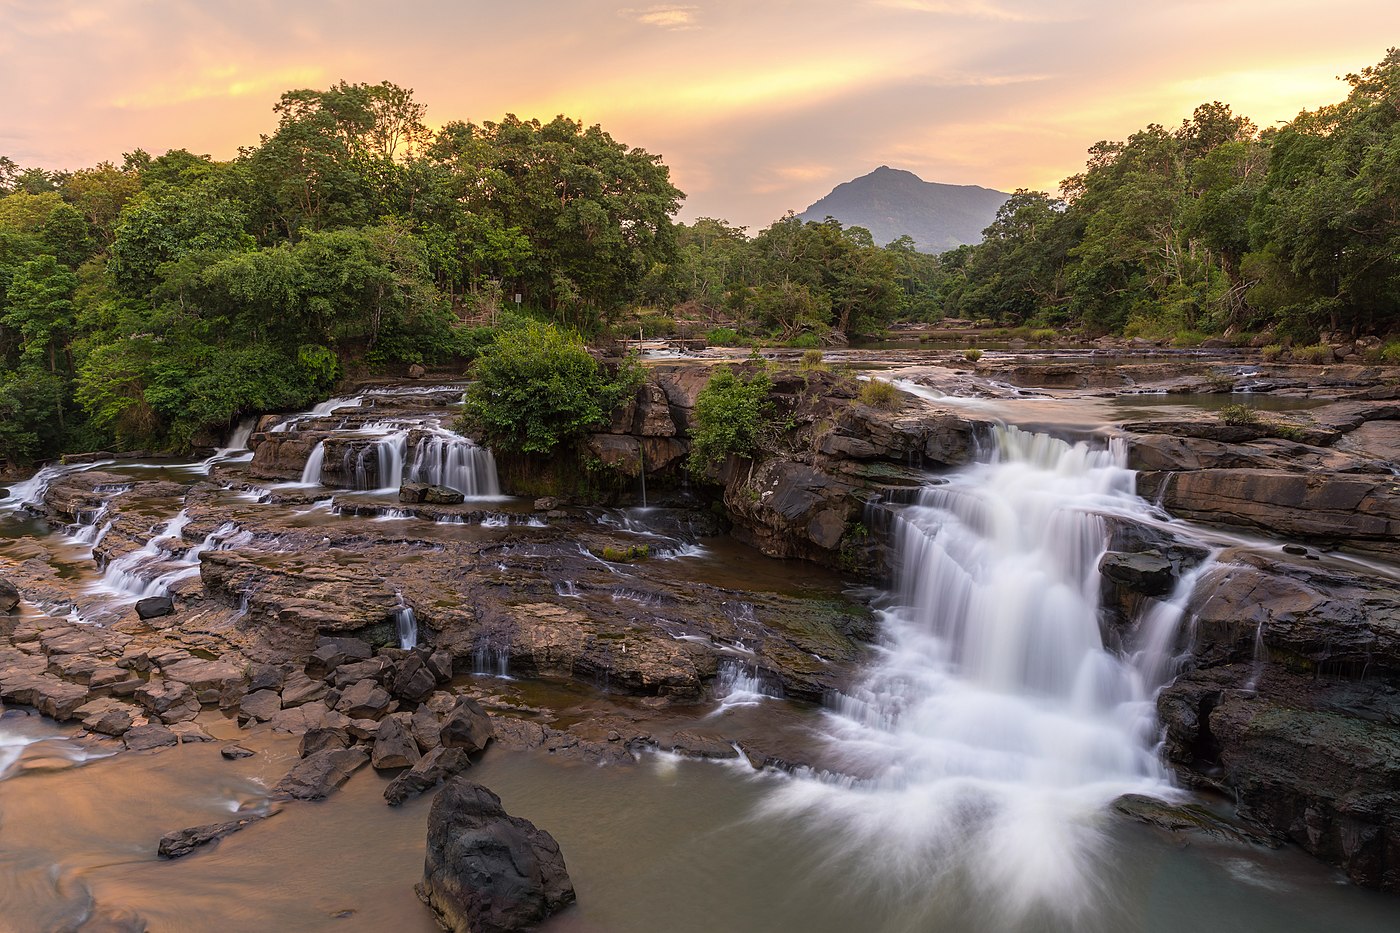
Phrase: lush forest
x=150 y=303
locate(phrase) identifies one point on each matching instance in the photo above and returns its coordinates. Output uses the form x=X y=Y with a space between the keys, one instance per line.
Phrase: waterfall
x=455 y=462
x=311 y=473
x=407 y=624
x=237 y=444
x=165 y=559
x=995 y=727
x=388 y=453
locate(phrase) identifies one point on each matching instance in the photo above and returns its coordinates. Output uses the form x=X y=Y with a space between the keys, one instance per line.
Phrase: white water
x=407 y=625
x=237 y=448
x=995 y=727
x=455 y=462
x=388 y=455
x=311 y=473
x=165 y=560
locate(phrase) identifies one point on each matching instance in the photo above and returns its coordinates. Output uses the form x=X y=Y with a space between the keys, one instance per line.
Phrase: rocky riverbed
x=358 y=582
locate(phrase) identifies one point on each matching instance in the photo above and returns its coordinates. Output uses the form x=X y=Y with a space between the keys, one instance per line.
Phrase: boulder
x=151 y=735
x=364 y=699
x=442 y=495
x=436 y=766
x=426 y=728
x=153 y=607
x=319 y=739
x=487 y=871
x=9 y=596
x=394 y=746
x=466 y=726
x=235 y=751
x=320 y=774
x=172 y=701
x=1149 y=573
x=107 y=716
x=413 y=492
x=260 y=705
x=298 y=689
x=413 y=680
x=333 y=651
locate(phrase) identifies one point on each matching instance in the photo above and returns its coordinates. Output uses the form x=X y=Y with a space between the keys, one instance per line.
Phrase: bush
x=537 y=386
x=1272 y=353
x=1390 y=353
x=1317 y=353
x=1044 y=335
x=724 y=337
x=625 y=555
x=812 y=360
x=730 y=414
x=1239 y=415
x=808 y=339
x=972 y=354
x=877 y=393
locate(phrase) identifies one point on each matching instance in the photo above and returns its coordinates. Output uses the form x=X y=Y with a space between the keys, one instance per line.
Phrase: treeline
x=150 y=303
x=1214 y=227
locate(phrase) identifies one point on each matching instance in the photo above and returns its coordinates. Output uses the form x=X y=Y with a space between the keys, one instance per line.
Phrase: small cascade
x=455 y=462
x=1261 y=655
x=321 y=410
x=311 y=473
x=164 y=560
x=740 y=684
x=995 y=727
x=490 y=658
x=407 y=625
x=388 y=453
x=567 y=588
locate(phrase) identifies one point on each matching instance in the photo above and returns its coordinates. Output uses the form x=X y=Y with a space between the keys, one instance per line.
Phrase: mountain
x=891 y=203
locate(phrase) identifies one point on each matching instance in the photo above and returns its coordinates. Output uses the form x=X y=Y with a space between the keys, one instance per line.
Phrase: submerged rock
x=320 y=774
x=487 y=871
x=184 y=841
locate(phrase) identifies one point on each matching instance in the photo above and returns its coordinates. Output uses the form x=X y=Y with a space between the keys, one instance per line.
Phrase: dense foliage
x=151 y=303
x=731 y=413
x=1214 y=227
x=536 y=386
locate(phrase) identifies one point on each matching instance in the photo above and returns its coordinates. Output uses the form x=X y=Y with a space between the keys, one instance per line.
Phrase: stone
x=427 y=729
x=315 y=740
x=413 y=492
x=394 y=746
x=320 y=774
x=298 y=719
x=9 y=596
x=170 y=700
x=153 y=607
x=376 y=669
x=298 y=689
x=208 y=679
x=547 y=503
x=416 y=371
x=235 y=751
x=1147 y=572
x=364 y=700
x=184 y=841
x=487 y=871
x=151 y=735
x=466 y=726
x=107 y=716
x=440 y=663
x=433 y=768
x=50 y=695
x=413 y=680
x=190 y=732
x=260 y=706
x=333 y=651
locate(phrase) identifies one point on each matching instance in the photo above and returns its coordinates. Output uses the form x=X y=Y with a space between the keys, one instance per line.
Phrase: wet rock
x=315 y=740
x=260 y=705
x=234 y=752
x=364 y=700
x=394 y=746
x=433 y=768
x=9 y=596
x=695 y=745
x=466 y=726
x=107 y=716
x=208 y=679
x=170 y=700
x=440 y=663
x=487 y=871
x=50 y=695
x=1149 y=573
x=298 y=719
x=376 y=669
x=151 y=735
x=190 y=732
x=332 y=652
x=320 y=774
x=184 y=841
x=1191 y=818
x=441 y=495
x=153 y=607
x=413 y=492
x=298 y=689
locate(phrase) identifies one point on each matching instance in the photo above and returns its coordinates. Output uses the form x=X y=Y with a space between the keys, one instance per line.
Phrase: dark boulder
x=184 y=841
x=466 y=726
x=413 y=680
x=436 y=766
x=153 y=607
x=1149 y=573
x=487 y=871
x=9 y=596
x=320 y=774
x=394 y=746
x=413 y=492
x=321 y=738
x=441 y=495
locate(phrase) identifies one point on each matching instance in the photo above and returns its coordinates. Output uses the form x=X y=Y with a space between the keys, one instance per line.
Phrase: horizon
x=749 y=129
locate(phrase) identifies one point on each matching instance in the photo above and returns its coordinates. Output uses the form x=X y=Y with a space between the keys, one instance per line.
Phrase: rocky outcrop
x=1291 y=704
x=487 y=871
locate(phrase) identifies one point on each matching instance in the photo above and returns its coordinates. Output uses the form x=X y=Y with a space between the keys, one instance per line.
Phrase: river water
x=973 y=768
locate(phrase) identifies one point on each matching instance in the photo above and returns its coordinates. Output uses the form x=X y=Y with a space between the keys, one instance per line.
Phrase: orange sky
x=758 y=107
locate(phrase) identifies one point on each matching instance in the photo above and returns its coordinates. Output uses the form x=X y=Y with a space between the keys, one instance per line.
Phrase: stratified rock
x=394 y=746
x=298 y=689
x=153 y=607
x=413 y=492
x=316 y=740
x=151 y=735
x=50 y=695
x=107 y=716
x=436 y=766
x=441 y=495
x=1147 y=572
x=487 y=871
x=170 y=700
x=320 y=774
x=466 y=726
x=184 y=841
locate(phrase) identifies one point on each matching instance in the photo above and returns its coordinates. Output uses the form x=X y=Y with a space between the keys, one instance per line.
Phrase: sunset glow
x=757 y=107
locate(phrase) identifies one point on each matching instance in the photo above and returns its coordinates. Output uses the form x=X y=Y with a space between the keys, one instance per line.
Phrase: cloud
x=227 y=81
x=665 y=17
x=970 y=9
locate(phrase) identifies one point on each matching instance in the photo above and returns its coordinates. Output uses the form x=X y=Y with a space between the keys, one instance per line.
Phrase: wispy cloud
x=970 y=9
x=228 y=81
x=665 y=17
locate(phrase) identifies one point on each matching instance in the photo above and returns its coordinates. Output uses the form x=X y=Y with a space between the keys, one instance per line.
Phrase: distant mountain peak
x=893 y=202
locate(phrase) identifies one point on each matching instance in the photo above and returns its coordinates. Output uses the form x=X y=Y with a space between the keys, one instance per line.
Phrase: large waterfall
x=455 y=462
x=995 y=728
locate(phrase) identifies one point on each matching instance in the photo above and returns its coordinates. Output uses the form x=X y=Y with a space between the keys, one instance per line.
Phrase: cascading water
x=455 y=462
x=388 y=455
x=407 y=624
x=311 y=473
x=995 y=728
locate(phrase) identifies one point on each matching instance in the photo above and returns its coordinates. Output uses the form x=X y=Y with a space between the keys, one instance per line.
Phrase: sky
x=758 y=106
